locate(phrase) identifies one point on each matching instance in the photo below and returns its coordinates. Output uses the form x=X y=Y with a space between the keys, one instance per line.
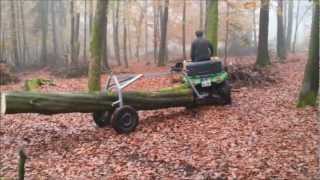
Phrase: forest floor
x=262 y=135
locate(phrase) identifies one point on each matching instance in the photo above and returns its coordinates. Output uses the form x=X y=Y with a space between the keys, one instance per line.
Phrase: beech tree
x=212 y=24
x=310 y=84
x=263 y=54
x=163 y=35
x=14 y=36
x=281 y=46
x=96 y=45
x=290 y=25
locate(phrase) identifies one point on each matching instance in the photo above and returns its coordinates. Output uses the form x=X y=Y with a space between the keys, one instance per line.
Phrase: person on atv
x=201 y=48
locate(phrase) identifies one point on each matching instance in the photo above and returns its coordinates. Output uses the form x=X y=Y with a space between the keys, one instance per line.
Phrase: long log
x=55 y=103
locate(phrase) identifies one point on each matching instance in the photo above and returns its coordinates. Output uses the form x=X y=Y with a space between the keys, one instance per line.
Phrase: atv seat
x=203 y=68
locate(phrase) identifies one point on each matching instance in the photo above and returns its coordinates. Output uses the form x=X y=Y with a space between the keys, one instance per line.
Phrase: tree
x=138 y=34
x=281 y=46
x=155 y=30
x=85 y=32
x=184 y=30
x=263 y=54
x=254 y=27
x=212 y=24
x=14 y=36
x=125 y=49
x=163 y=35
x=290 y=26
x=296 y=28
x=1 y=49
x=310 y=84
x=116 y=45
x=44 y=31
x=201 y=15
x=146 y=27
x=227 y=35
x=54 y=34
x=96 y=45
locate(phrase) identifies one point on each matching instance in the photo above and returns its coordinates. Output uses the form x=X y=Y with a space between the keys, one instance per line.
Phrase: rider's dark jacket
x=201 y=50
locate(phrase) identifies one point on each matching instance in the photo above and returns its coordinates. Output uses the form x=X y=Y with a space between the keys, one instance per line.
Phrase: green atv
x=208 y=80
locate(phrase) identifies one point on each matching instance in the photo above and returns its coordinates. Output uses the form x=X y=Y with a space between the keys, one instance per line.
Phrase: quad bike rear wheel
x=224 y=90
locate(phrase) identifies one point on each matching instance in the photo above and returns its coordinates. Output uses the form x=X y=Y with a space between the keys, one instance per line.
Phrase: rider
x=201 y=48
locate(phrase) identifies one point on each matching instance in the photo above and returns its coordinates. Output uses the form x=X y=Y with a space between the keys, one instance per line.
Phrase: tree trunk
x=116 y=33
x=290 y=26
x=263 y=54
x=72 y=30
x=184 y=30
x=155 y=31
x=213 y=23
x=1 y=37
x=44 y=32
x=90 y=15
x=310 y=85
x=201 y=15
x=138 y=32
x=14 y=36
x=85 y=32
x=26 y=53
x=254 y=28
x=125 y=54
x=227 y=36
x=50 y=103
x=54 y=34
x=96 y=46
x=296 y=28
x=163 y=36
x=146 y=27
x=281 y=45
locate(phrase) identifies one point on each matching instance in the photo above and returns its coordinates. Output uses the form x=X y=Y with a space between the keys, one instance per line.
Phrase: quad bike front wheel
x=125 y=119
x=102 y=119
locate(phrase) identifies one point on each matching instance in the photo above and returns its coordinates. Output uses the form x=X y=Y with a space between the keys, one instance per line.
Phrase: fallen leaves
x=262 y=135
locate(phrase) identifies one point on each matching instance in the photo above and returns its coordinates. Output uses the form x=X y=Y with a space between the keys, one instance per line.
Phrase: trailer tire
x=102 y=119
x=125 y=119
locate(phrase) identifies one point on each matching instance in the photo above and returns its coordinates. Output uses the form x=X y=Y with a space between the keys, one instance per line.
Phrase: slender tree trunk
x=19 y=40
x=163 y=35
x=72 y=30
x=90 y=15
x=14 y=36
x=296 y=28
x=146 y=27
x=310 y=85
x=290 y=26
x=105 y=47
x=155 y=31
x=26 y=53
x=213 y=23
x=281 y=45
x=116 y=33
x=76 y=42
x=125 y=56
x=138 y=31
x=263 y=54
x=44 y=32
x=54 y=34
x=201 y=14
x=85 y=32
x=184 y=30
x=254 y=28
x=227 y=36
x=96 y=45
x=1 y=37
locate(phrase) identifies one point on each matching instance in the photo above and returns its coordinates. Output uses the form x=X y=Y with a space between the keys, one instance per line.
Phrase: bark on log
x=55 y=103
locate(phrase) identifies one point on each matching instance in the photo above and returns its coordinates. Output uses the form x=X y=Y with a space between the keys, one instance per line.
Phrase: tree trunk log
x=55 y=103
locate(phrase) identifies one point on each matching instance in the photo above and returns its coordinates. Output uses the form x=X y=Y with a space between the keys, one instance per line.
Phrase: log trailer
x=204 y=83
x=207 y=79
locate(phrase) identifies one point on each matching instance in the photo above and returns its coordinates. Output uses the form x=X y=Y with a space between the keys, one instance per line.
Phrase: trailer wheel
x=102 y=119
x=125 y=119
x=224 y=90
